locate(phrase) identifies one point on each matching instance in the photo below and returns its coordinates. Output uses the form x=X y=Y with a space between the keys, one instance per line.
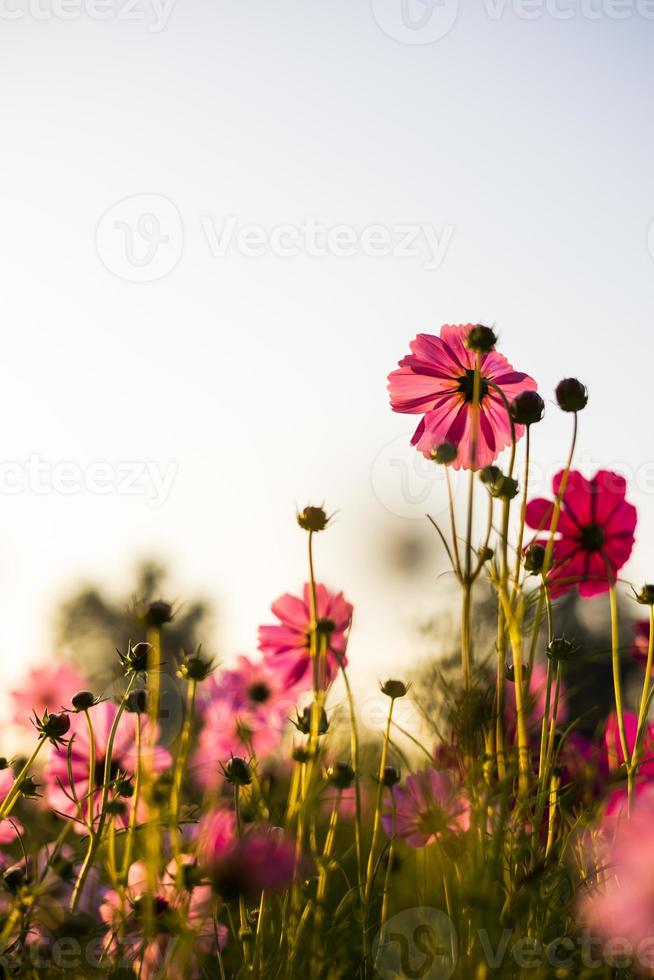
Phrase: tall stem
x=375 y=829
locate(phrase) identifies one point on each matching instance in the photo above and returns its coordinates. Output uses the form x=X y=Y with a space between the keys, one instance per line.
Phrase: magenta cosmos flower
x=44 y=688
x=262 y=859
x=245 y=712
x=61 y=794
x=427 y=806
x=285 y=645
x=595 y=532
x=436 y=381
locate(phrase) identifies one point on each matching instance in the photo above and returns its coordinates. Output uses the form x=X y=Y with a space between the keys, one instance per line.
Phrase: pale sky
x=512 y=158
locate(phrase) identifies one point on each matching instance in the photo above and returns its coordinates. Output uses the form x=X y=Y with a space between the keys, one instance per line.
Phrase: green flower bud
x=444 y=454
x=340 y=775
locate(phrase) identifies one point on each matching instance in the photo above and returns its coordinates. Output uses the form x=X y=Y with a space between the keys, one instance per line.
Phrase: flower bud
x=444 y=454
x=29 y=788
x=154 y=613
x=490 y=475
x=14 y=878
x=237 y=772
x=124 y=787
x=137 y=701
x=481 y=339
x=195 y=668
x=312 y=519
x=561 y=649
x=391 y=776
x=303 y=721
x=528 y=408
x=486 y=554
x=394 y=689
x=646 y=595
x=534 y=558
x=4 y=762
x=509 y=672
x=52 y=726
x=135 y=661
x=340 y=775
x=571 y=395
x=301 y=754
x=83 y=700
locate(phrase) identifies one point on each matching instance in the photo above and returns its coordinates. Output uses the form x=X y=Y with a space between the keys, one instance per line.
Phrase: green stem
x=11 y=797
x=375 y=831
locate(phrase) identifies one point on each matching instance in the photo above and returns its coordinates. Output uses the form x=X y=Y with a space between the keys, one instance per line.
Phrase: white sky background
x=263 y=379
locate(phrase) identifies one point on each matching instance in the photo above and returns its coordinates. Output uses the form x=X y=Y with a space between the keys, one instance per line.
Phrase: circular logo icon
x=416 y=21
x=408 y=484
x=140 y=239
x=418 y=943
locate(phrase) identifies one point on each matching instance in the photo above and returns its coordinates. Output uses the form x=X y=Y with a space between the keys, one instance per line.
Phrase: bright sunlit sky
x=525 y=147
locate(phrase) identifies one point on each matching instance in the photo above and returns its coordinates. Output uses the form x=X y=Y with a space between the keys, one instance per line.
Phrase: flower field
x=268 y=838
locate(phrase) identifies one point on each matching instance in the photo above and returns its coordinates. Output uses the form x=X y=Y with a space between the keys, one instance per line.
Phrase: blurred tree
x=90 y=625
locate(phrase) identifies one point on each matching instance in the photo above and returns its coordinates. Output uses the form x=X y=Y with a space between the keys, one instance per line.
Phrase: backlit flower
x=436 y=381
x=427 y=806
x=245 y=712
x=45 y=689
x=286 y=645
x=595 y=531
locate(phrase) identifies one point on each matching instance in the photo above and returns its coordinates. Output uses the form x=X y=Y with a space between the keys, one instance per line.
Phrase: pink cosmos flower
x=595 y=532
x=436 y=381
x=285 y=645
x=48 y=687
x=428 y=805
x=178 y=912
x=263 y=859
x=124 y=760
x=620 y=902
x=245 y=712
